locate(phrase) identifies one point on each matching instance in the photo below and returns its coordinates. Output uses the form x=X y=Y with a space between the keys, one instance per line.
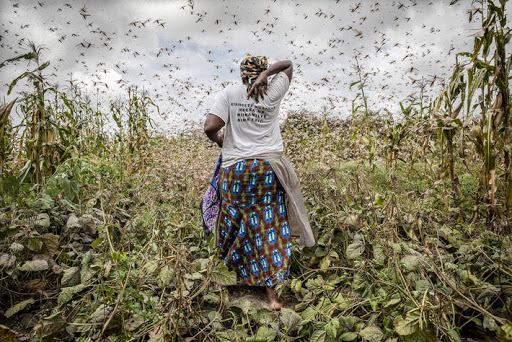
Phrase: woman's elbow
x=212 y=124
x=208 y=128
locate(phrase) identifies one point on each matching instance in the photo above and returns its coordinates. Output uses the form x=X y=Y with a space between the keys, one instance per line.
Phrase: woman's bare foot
x=273 y=301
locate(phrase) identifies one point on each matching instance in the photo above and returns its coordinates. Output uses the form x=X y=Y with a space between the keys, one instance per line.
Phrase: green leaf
x=454 y=335
x=348 y=322
x=309 y=313
x=67 y=203
x=264 y=334
x=342 y=302
x=505 y=332
x=25 y=74
x=18 y=307
x=353 y=84
x=34 y=244
x=222 y=276
x=70 y=188
x=290 y=318
x=29 y=55
x=348 y=336
x=45 y=202
x=422 y=285
x=354 y=250
x=97 y=242
x=392 y=302
x=318 y=336
x=371 y=333
x=332 y=328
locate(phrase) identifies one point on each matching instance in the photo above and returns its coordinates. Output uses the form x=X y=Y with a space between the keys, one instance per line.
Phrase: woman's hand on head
x=259 y=87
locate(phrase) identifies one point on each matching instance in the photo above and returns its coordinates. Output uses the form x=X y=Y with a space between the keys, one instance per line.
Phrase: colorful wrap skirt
x=255 y=238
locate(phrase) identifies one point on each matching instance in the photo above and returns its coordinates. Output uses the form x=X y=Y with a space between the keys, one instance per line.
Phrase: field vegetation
x=101 y=236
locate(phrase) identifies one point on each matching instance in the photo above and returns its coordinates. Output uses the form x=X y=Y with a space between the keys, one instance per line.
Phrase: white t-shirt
x=251 y=128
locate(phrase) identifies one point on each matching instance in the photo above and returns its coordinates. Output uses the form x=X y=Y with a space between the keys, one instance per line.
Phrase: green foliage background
x=101 y=239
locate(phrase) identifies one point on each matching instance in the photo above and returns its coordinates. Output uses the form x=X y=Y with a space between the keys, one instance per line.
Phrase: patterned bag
x=210 y=204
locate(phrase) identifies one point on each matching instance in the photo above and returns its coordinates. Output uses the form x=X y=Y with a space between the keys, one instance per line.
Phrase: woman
x=262 y=206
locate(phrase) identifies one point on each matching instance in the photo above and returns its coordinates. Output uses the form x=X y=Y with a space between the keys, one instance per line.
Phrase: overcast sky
x=183 y=52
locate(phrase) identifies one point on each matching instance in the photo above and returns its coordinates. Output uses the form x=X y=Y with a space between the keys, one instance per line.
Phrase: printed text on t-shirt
x=251 y=112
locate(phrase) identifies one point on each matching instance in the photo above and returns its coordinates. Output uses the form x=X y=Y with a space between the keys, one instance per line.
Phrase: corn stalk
x=490 y=71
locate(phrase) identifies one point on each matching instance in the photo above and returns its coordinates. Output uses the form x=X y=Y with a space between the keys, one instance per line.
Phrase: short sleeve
x=278 y=87
x=221 y=106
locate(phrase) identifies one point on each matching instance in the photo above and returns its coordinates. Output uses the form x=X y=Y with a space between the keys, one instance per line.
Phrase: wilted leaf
x=157 y=334
x=18 y=307
x=7 y=260
x=371 y=333
x=73 y=223
x=16 y=247
x=51 y=244
x=101 y=313
x=407 y=325
x=67 y=293
x=246 y=306
x=165 y=276
x=7 y=335
x=42 y=220
x=490 y=323
x=71 y=277
x=410 y=262
x=133 y=323
x=34 y=265
x=355 y=250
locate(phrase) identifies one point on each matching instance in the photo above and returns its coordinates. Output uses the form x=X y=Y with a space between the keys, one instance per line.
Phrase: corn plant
x=6 y=131
x=489 y=72
x=446 y=110
x=138 y=122
x=368 y=137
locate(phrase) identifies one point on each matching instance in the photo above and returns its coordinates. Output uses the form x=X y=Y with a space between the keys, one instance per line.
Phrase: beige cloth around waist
x=297 y=213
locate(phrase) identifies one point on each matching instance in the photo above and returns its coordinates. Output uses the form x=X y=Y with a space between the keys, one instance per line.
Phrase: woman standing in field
x=262 y=204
